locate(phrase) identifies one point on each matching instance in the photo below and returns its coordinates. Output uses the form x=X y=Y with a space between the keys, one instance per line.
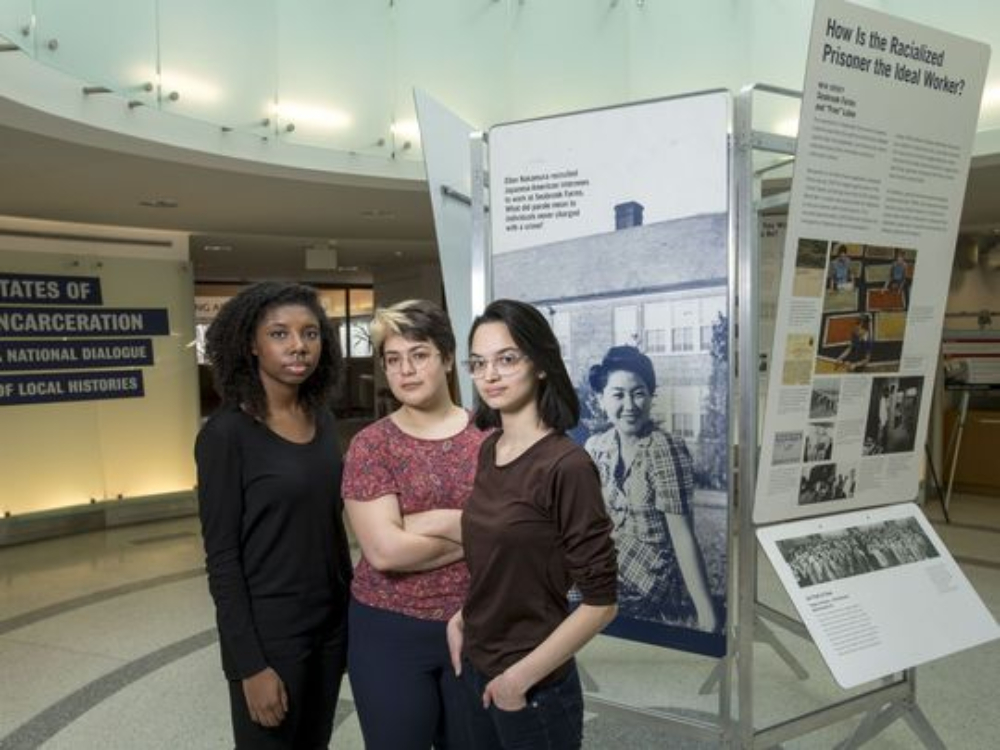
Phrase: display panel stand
x=734 y=724
x=895 y=697
x=718 y=729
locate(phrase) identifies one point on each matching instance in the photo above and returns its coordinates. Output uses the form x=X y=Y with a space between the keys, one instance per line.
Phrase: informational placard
x=877 y=590
x=888 y=116
x=614 y=223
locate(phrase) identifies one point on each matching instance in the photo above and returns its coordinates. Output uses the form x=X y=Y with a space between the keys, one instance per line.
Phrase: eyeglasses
x=504 y=364
x=393 y=363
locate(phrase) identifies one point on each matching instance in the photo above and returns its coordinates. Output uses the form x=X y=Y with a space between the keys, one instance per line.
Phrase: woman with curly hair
x=269 y=474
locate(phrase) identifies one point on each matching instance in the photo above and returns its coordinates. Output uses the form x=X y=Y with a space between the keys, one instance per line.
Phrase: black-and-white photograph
x=825 y=398
x=825 y=482
x=818 y=444
x=645 y=338
x=893 y=411
x=817 y=484
x=834 y=555
x=787 y=448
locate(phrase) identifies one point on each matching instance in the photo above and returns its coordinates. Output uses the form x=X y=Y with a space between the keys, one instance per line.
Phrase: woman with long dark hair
x=269 y=476
x=534 y=527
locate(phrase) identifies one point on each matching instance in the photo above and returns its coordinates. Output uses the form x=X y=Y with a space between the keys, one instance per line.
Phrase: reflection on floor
x=107 y=640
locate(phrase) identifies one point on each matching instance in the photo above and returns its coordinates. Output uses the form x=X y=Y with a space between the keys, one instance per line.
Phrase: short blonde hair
x=414 y=319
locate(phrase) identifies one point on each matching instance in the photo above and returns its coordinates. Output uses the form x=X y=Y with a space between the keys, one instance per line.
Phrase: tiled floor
x=107 y=641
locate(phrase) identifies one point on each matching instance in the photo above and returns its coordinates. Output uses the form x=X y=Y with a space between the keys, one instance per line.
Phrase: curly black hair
x=229 y=340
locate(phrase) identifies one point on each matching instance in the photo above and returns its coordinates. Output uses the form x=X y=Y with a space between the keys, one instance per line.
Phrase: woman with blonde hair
x=406 y=480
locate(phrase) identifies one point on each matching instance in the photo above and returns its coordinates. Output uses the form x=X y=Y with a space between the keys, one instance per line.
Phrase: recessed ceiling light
x=159 y=203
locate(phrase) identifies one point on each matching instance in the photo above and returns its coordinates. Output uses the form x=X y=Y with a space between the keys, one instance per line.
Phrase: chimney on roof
x=628 y=215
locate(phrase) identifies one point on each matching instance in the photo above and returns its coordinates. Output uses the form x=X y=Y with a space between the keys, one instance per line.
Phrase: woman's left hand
x=504 y=693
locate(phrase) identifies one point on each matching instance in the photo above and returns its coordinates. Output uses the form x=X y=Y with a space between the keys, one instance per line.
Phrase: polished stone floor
x=107 y=641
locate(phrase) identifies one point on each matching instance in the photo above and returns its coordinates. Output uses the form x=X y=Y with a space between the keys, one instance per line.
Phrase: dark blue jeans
x=552 y=720
x=405 y=690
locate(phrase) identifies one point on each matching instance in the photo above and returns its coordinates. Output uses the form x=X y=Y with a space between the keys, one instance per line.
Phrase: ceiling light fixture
x=159 y=203
x=307 y=114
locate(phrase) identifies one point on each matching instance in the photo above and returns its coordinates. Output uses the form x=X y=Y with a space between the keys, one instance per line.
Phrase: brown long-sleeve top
x=531 y=529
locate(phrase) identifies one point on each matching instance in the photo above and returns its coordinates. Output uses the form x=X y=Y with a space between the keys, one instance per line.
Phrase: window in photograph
x=656 y=341
x=682 y=339
x=560 y=320
x=626 y=325
x=706 y=338
x=682 y=424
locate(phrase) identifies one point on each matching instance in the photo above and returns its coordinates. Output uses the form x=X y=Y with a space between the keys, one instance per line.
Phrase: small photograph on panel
x=817 y=484
x=810 y=265
x=865 y=306
x=825 y=398
x=787 y=448
x=844 y=268
x=818 y=444
x=800 y=349
x=893 y=412
x=857 y=550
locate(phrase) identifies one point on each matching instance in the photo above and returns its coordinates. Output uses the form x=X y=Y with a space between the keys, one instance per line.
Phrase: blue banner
x=24 y=356
x=79 y=322
x=44 y=388
x=42 y=289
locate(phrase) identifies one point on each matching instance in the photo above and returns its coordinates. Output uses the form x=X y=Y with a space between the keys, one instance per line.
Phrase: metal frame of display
x=895 y=698
x=748 y=617
x=719 y=731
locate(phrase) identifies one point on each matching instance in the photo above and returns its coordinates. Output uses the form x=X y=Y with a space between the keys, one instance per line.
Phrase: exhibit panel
x=878 y=591
x=614 y=223
x=874 y=211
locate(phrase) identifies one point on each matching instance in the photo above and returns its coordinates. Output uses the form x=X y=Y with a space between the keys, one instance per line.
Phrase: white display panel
x=888 y=117
x=614 y=223
x=878 y=591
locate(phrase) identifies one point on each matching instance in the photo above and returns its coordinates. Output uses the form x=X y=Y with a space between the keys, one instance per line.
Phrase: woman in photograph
x=269 y=499
x=841 y=277
x=897 y=273
x=648 y=480
x=406 y=480
x=534 y=527
x=858 y=354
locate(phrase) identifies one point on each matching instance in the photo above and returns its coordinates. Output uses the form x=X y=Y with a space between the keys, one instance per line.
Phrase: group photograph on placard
x=854 y=551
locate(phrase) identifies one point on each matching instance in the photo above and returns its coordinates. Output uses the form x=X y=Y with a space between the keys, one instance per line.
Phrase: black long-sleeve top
x=276 y=551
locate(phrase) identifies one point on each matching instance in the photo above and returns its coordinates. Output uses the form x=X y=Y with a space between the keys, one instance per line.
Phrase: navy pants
x=312 y=681
x=405 y=690
x=552 y=719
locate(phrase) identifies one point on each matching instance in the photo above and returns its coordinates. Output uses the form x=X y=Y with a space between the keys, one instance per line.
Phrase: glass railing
x=339 y=74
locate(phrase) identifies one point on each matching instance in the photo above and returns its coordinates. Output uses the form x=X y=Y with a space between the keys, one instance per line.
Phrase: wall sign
x=50 y=324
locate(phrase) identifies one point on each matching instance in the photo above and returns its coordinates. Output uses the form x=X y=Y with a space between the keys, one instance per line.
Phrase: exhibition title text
x=917 y=64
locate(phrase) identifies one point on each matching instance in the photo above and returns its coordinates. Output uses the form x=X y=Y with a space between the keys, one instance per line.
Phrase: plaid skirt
x=650 y=585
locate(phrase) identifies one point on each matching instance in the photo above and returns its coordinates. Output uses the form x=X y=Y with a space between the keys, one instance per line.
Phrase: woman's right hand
x=456 y=638
x=266 y=698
